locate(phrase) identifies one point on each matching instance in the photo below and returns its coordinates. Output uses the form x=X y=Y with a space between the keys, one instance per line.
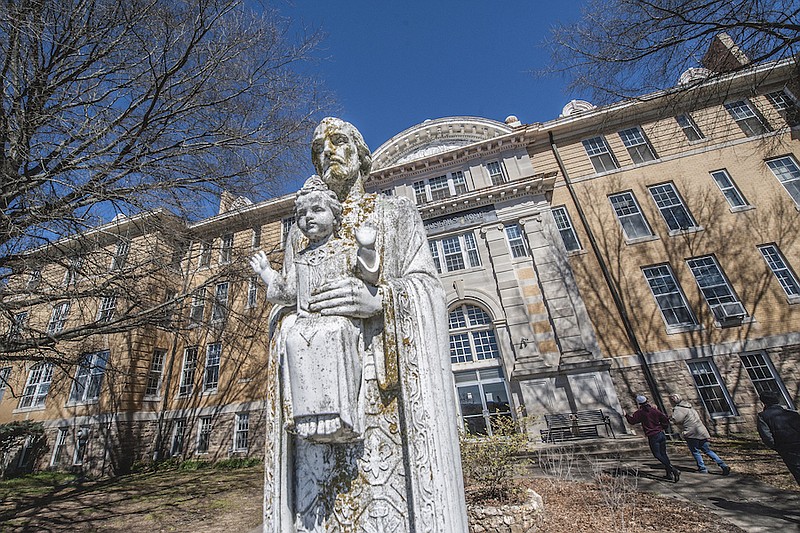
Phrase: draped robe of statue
x=405 y=474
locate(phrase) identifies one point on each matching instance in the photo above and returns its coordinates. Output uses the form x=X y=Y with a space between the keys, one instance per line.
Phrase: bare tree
x=120 y=108
x=627 y=48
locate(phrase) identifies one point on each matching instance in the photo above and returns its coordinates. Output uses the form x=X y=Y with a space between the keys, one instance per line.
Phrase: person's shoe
x=725 y=470
x=703 y=470
x=677 y=475
x=670 y=477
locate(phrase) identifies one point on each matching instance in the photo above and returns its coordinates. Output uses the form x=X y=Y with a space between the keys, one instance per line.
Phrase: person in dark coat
x=780 y=430
x=653 y=423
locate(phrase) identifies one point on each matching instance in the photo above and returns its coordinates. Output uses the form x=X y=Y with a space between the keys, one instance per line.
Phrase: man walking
x=780 y=430
x=653 y=423
x=695 y=433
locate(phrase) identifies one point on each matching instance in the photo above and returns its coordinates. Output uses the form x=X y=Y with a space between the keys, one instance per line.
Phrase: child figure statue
x=322 y=364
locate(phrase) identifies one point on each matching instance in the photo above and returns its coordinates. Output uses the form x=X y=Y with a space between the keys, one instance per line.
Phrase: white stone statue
x=361 y=419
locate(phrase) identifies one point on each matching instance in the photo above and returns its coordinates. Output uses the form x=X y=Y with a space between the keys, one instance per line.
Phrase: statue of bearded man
x=403 y=474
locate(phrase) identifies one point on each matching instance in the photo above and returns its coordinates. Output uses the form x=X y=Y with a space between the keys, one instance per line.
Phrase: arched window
x=472 y=335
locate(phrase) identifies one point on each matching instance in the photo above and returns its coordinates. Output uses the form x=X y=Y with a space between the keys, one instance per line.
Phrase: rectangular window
x=205 y=254
x=58 y=447
x=496 y=172
x=672 y=208
x=777 y=263
x=669 y=296
x=198 y=307
x=18 y=325
x=286 y=226
x=187 y=372
x=226 y=249
x=564 y=225
x=435 y=254
x=746 y=116
x=255 y=242
x=73 y=273
x=105 y=312
x=689 y=128
x=459 y=252
x=89 y=377
x=439 y=188
x=37 y=386
x=153 y=388
x=728 y=188
x=786 y=105
x=515 y=241
x=5 y=373
x=786 y=170
x=211 y=373
x=59 y=317
x=387 y=192
x=241 y=432
x=178 y=432
x=600 y=154
x=34 y=278
x=204 y=434
x=637 y=144
x=715 y=398
x=716 y=290
x=420 y=192
x=220 y=308
x=630 y=216
x=120 y=255
x=459 y=182
x=761 y=372
x=252 y=292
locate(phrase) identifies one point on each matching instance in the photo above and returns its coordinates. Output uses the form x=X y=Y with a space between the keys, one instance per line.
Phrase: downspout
x=626 y=322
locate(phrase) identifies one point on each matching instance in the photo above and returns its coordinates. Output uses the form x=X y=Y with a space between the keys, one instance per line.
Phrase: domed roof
x=436 y=136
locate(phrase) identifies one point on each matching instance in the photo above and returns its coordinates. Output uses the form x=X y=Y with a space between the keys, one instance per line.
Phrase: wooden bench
x=578 y=425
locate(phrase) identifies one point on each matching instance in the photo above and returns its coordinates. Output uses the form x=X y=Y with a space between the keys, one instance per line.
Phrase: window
x=564 y=225
x=153 y=388
x=226 y=249
x=211 y=373
x=286 y=226
x=255 y=242
x=689 y=127
x=387 y=192
x=459 y=182
x=205 y=254
x=763 y=375
x=728 y=188
x=241 y=432
x=37 y=386
x=198 y=307
x=440 y=187
x=252 y=291
x=483 y=399
x=777 y=263
x=459 y=252
x=187 y=373
x=716 y=290
x=496 y=172
x=105 y=312
x=204 y=434
x=178 y=432
x=420 y=193
x=630 y=216
x=5 y=372
x=59 y=317
x=120 y=255
x=220 y=308
x=638 y=146
x=600 y=155
x=786 y=105
x=58 y=447
x=515 y=241
x=669 y=296
x=745 y=115
x=17 y=325
x=788 y=173
x=471 y=335
x=81 y=442
x=34 y=278
x=89 y=377
x=435 y=253
x=73 y=273
x=672 y=207
x=715 y=398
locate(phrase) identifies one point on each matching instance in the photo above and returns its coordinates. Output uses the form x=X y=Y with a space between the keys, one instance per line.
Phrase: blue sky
x=393 y=64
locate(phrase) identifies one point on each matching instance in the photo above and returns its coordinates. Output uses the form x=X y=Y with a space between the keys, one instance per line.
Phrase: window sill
x=646 y=238
x=674 y=330
x=687 y=231
x=29 y=409
x=462 y=271
x=210 y=392
x=151 y=398
x=734 y=323
x=579 y=251
x=78 y=404
x=793 y=300
x=742 y=208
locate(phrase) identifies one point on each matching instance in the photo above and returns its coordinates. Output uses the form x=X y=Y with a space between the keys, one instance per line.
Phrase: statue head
x=340 y=155
x=317 y=210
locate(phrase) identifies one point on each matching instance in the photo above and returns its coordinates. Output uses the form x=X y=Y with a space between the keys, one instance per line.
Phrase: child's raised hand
x=261 y=266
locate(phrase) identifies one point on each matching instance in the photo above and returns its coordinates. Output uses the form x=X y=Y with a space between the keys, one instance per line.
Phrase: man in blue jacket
x=780 y=430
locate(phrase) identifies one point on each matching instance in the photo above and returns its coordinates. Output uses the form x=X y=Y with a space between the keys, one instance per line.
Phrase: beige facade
x=646 y=247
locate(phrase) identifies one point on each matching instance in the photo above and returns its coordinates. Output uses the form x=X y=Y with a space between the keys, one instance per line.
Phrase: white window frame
x=58 y=318
x=497 y=172
x=712 y=282
x=565 y=229
x=73 y=273
x=188 y=369
x=782 y=271
x=252 y=292
x=88 y=381
x=241 y=432
x=18 y=323
x=219 y=310
x=5 y=374
x=479 y=380
x=155 y=374
x=600 y=154
x=34 y=278
x=672 y=208
x=225 y=249
x=205 y=427
x=255 y=240
x=59 y=445
x=178 y=437
x=669 y=297
x=37 y=386
x=763 y=371
x=747 y=117
x=467 y=251
x=639 y=147
x=120 y=254
x=516 y=241
x=781 y=100
x=633 y=216
x=452 y=184
x=472 y=334
x=211 y=367
x=689 y=127
x=197 y=309
x=703 y=370
x=205 y=254
x=286 y=227
x=729 y=190
x=787 y=171
x=106 y=308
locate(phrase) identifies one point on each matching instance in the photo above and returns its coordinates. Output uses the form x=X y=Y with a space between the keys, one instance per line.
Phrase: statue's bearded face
x=335 y=156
